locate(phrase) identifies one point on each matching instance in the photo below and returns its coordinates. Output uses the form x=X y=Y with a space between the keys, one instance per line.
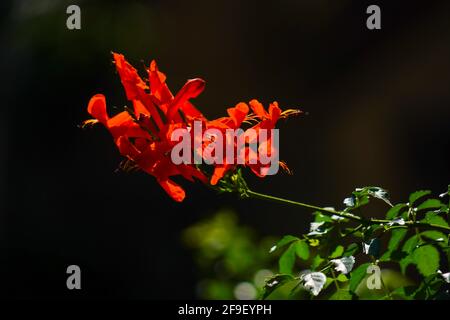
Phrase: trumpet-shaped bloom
x=143 y=133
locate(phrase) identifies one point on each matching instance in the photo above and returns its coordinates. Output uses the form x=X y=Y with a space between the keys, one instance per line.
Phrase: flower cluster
x=143 y=133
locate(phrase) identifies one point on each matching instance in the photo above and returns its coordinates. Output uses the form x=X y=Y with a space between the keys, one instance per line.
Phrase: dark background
x=378 y=104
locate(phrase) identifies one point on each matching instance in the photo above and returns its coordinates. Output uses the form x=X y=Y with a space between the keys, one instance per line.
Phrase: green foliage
x=417 y=195
x=274 y=283
x=287 y=260
x=403 y=253
x=302 y=250
x=357 y=276
x=354 y=251
x=426 y=259
x=395 y=210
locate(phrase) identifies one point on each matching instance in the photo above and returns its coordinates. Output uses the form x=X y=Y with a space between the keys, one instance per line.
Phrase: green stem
x=335 y=280
x=262 y=196
x=257 y=195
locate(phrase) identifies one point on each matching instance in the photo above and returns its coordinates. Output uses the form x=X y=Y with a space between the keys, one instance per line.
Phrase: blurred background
x=378 y=105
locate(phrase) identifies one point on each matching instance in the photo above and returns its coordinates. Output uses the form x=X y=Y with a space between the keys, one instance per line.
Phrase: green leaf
x=410 y=244
x=427 y=259
x=394 y=242
x=284 y=241
x=287 y=260
x=429 y=204
x=396 y=237
x=302 y=249
x=434 y=218
x=341 y=295
x=408 y=248
x=357 y=275
x=417 y=195
x=337 y=252
x=319 y=217
x=405 y=262
x=275 y=282
x=435 y=235
x=342 y=278
x=395 y=210
x=317 y=261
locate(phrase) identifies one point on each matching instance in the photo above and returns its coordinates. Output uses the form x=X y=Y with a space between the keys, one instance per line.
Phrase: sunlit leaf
x=284 y=241
x=337 y=252
x=434 y=218
x=395 y=210
x=357 y=275
x=342 y=278
x=397 y=236
x=275 y=282
x=317 y=261
x=429 y=204
x=408 y=248
x=302 y=249
x=427 y=259
x=411 y=244
x=319 y=217
x=341 y=295
x=417 y=195
x=405 y=262
x=435 y=235
x=287 y=260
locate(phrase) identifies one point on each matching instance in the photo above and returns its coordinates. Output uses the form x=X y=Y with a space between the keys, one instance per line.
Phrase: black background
x=378 y=104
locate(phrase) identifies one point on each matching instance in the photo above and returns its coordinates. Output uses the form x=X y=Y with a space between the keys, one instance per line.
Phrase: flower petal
x=127 y=149
x=274 y=112
x=97 y=108
x=219 y=172
x=131 y=81
x=238 y=113
x=173 y=190
x=258 y=109
x=158 y=87
x=191 y=89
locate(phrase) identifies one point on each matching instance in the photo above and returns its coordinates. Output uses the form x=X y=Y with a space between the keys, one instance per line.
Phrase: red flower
x=266 y=147
x=236 y=116
x=143 y=133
